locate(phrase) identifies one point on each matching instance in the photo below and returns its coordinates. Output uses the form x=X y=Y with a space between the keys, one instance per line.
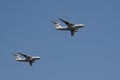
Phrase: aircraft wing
x=66 y=22
x=72 y=32
x=30 y=63
x=24 y=55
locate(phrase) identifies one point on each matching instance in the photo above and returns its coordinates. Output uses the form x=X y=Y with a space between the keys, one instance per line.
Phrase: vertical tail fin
x=57 y=25
x=17 y=57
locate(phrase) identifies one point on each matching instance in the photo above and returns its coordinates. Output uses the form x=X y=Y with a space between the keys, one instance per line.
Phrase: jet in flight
x=26 y=58
x=70 y=26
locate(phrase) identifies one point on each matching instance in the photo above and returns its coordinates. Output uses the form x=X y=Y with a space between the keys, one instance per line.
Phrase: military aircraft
x=26 y=58
x=70 y=26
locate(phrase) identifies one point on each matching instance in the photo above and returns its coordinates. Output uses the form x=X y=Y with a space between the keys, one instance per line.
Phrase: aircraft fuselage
x=74 y=27
x=28 y=59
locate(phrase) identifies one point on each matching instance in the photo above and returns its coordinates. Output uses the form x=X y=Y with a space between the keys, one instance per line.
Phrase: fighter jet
x=70 y=26
x=26 y=58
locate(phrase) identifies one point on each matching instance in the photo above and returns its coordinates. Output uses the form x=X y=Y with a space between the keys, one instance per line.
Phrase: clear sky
x=92 y=54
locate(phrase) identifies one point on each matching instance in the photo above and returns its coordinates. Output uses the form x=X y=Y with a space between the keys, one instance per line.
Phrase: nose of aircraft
x=36 y=57
x=83 y=25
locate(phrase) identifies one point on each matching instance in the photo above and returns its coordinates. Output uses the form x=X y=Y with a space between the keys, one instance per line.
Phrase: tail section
x=57 y=25
x=17 y=57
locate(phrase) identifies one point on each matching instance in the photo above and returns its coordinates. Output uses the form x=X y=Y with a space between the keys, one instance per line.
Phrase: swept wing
x=24 y=55
x=67 y=23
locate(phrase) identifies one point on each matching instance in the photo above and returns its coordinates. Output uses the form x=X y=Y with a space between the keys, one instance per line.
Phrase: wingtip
x=19 y=53
x=60 y=19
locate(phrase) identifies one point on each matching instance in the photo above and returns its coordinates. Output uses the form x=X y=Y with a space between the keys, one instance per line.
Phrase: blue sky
x=92 y=54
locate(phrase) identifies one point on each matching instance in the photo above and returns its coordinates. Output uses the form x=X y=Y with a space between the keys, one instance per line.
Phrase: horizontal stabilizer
x=54 y=22
x=15 y=54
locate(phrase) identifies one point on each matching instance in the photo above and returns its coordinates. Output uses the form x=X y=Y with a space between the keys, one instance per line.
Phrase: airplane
x=70 y=26
x=26 y=58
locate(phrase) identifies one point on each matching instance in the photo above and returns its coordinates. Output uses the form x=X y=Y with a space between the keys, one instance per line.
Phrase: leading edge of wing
x=66 y=22
x=23 y=55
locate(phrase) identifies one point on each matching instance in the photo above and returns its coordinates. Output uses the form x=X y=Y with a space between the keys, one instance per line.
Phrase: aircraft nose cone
x=38 y=57
x=83 y=25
